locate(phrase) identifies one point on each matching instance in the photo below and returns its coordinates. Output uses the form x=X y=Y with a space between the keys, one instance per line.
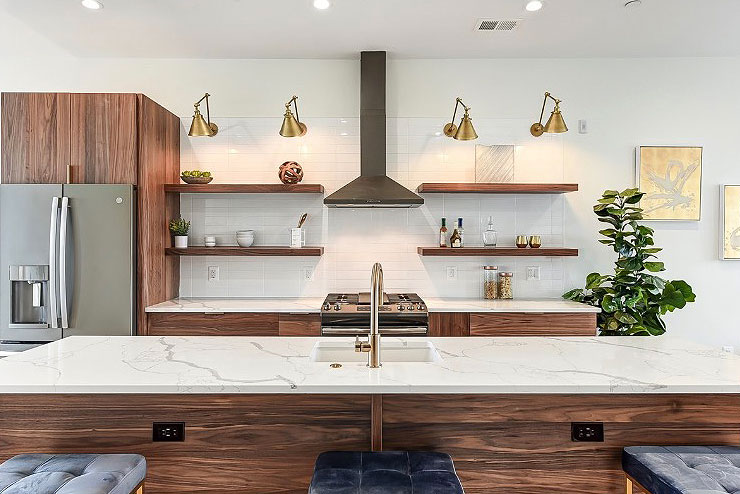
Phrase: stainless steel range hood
x=373 y=189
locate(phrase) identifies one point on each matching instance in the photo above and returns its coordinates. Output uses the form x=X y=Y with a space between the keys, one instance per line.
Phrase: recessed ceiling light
x=321 y=4
x=534 y=5
x=92 y=4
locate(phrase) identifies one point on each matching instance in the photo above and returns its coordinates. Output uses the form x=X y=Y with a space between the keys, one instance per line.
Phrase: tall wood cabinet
x=102 y=138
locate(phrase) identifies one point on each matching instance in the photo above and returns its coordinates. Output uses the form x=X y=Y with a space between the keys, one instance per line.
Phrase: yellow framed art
x=670 y=177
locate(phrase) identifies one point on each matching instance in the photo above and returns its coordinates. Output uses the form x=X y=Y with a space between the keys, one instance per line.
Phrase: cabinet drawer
x=299 y=324
x=533 y=324
x=205 y=324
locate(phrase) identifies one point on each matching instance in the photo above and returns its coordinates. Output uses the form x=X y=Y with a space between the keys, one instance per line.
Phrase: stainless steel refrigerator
x=67 y=262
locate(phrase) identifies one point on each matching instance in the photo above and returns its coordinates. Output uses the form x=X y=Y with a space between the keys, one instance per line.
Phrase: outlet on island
x=587 y=432
x=168 y=432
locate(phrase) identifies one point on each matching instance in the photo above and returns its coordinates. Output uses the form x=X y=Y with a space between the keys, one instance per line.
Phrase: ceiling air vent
x=493 y=25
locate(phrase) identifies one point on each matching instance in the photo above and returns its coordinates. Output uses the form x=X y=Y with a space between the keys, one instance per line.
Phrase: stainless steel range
x=348 y=314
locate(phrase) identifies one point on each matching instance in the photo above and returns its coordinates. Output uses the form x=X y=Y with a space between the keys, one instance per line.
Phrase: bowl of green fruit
x=195 y=177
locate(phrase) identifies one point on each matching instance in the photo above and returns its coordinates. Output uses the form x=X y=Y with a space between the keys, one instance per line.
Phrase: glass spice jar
x=505 y=286
x=490 y=289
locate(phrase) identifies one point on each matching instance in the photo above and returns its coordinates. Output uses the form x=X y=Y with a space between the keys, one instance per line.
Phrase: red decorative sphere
x=290 y=172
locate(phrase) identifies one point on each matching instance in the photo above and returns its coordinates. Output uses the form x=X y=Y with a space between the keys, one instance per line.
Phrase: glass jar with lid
x=490 y=288
x=505 y=286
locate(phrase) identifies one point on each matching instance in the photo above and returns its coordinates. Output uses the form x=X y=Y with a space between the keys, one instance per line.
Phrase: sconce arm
x=293 y=100
x=544 y=103
x=458 y=102
x=208 y=109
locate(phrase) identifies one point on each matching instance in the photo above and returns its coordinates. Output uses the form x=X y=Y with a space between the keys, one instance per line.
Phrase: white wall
x=626 y=102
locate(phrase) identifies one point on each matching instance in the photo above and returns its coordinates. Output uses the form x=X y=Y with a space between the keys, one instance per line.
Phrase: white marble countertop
x=282 y=365
x=313 y=305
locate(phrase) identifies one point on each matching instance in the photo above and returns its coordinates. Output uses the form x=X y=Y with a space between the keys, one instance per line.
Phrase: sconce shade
x=291 y=127
x=465 y=132
x=201 y=128
x=555 y=124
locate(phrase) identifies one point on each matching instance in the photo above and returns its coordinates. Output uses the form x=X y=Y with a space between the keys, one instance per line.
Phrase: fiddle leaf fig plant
x=633 y=299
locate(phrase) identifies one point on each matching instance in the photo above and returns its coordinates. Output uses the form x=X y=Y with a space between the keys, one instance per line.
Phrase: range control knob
x=327 y=306
x=337 y=307
x=400 y=307
x=420 y=307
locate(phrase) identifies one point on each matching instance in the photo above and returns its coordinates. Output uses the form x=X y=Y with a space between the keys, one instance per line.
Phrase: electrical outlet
x=582 y=127
x=451 y=272
x=307 y=273
x=728 y=349
x=168 y=432
x=587 y=432
x=213 y=274
x=533 y=273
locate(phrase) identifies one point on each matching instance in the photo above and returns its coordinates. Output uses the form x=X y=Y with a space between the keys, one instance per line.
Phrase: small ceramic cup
x=535 y=241
x=210 y=241
x=521 y=241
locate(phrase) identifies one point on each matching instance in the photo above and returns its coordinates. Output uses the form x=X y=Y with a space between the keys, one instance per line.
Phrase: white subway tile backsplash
x=249 y=150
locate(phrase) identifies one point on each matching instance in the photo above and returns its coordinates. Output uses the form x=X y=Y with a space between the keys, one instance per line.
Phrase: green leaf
x=629 y=192
x=654 y=267
x=576 y=294
x=610 y=193
x=593 y=280
x=609 y=232
x=635 y=198
x=624 y=317
x=607 y=303
x=685 y=289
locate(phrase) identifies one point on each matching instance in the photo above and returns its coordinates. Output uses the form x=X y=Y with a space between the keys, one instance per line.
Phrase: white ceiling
x=405 y=28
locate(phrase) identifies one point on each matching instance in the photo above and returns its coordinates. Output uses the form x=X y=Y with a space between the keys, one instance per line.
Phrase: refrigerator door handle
x=63 y=262
x=53 y=310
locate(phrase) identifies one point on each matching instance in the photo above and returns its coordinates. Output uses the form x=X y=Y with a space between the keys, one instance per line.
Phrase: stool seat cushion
x=384 y=472
x=72 y=474
x=684 y=469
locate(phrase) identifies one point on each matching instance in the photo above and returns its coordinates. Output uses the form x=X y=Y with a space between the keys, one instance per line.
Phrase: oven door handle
x=399 y=329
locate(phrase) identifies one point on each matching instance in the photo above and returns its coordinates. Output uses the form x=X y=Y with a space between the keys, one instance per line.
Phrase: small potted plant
x=180 y=229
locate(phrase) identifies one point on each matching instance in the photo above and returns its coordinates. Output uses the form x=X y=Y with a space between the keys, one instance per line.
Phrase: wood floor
x=514 y=444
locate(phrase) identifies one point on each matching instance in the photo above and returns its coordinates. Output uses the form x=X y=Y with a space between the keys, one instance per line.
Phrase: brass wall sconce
x=555 y=124
x=292 y=125
x=200 y=127
x=465 y=132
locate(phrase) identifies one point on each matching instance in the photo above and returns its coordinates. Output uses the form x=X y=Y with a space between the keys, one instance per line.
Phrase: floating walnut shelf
x=498 y=251
x=496 y=188
x=261 y=250
x=246 y=188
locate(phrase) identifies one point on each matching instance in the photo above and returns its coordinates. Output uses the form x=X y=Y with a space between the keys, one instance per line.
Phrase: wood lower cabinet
x=213 y=324
x=511 y=324
x=35 y=138
x=531 y=324
x=299 y=324
x=449 y=324
x=233 y=324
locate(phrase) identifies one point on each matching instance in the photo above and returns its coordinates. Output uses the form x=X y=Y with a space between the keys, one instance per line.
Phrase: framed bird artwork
x=730 y=243
x=670 y=177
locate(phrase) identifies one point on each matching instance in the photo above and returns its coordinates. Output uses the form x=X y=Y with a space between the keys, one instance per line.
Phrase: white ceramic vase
x=181 y=241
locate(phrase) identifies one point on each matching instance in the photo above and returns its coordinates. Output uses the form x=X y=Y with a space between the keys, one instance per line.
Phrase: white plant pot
x=181 y=241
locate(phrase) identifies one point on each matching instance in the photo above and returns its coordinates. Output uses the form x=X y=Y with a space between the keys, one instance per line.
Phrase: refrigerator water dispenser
x=29 y=285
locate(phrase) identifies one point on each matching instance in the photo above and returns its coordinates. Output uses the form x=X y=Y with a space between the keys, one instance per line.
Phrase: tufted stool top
x=684 y=469
x=72 y=474
x=386 y=472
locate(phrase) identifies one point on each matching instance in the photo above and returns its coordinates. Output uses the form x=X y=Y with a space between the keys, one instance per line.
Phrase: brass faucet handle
x=361 y=346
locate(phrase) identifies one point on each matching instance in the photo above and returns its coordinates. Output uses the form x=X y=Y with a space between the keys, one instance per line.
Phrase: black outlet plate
x=587 y=432
x=168 y=432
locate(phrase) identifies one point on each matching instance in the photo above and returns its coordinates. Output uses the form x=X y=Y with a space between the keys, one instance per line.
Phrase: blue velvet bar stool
x=386 y=472
x=682 y=469
x=73 y=474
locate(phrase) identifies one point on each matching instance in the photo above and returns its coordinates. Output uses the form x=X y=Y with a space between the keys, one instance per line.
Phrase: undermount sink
x=390 y=351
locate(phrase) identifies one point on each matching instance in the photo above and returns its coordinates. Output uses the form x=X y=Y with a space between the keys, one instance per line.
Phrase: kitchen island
x=257 y=411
